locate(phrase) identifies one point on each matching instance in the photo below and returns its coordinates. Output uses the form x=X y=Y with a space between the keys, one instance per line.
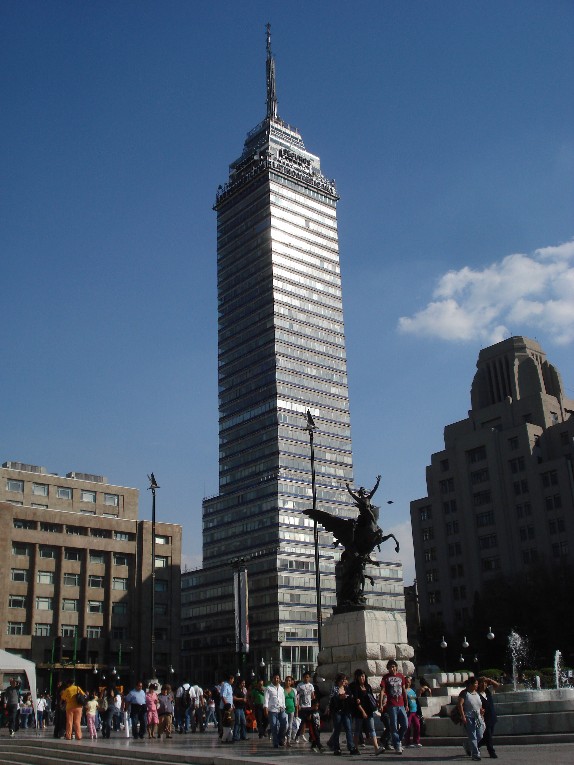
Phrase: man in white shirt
x=274 y=709
x=305 y=698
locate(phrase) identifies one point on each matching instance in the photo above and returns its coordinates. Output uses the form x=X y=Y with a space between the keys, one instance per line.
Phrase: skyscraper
x=501 y=492
x=281 y=353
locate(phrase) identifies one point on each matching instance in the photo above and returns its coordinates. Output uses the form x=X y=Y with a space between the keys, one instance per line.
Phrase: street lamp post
x=311 y=428
x=153 y=485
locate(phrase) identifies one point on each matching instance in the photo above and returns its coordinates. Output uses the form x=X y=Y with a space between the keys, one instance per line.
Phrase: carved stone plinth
x=367 y=640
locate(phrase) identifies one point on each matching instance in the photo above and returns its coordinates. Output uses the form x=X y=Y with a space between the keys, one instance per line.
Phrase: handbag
x=372 y=702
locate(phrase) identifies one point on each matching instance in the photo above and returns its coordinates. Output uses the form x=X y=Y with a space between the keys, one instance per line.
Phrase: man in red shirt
x=394 y=698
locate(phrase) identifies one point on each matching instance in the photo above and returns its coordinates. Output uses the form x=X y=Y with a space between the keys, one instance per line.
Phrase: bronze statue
x=359 y=536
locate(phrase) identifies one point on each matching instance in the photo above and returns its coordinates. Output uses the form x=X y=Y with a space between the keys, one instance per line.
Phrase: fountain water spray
x=517 y=646
x=557 y=669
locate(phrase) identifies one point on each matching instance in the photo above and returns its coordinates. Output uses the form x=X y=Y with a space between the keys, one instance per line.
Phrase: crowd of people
x=287 y=712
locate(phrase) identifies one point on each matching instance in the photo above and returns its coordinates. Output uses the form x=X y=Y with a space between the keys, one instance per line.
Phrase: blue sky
x=449 y=128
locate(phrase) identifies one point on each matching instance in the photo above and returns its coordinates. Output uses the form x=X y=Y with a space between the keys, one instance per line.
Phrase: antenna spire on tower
x=270 y=69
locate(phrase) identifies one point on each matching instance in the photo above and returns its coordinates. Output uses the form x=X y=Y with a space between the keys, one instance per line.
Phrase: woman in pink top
x=152 y=703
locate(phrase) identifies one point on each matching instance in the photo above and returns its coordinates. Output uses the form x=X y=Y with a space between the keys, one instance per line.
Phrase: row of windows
x=62 y=492
x=73 y=580
x=66 y=630
x=20 y=548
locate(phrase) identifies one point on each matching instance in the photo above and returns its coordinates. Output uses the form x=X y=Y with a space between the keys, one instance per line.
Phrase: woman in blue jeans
x=340 y=708
x=363 y=706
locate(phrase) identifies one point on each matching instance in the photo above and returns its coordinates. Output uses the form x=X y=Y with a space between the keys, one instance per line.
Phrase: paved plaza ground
x=205 y=749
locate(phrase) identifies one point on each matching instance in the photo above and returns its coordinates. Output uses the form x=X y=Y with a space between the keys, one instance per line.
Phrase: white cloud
x=518 y=295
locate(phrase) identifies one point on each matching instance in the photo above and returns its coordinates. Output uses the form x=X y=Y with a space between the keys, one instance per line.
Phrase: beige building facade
x=76 y=578
x=501 y=493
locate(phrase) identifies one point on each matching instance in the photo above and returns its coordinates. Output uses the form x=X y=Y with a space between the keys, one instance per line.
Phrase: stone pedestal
x=364 y=640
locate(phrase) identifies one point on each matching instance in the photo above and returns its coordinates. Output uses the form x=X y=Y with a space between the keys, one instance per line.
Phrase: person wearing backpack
x=74 y=698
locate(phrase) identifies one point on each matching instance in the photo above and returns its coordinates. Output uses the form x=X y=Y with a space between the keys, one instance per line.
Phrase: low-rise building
x=76 y=585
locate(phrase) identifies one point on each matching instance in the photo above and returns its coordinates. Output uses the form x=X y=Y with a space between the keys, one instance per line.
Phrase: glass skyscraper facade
x=281 y=353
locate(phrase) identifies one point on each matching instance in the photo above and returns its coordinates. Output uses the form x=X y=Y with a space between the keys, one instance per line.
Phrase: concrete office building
x=75 y=585
x=501 y=493
x=281 y=352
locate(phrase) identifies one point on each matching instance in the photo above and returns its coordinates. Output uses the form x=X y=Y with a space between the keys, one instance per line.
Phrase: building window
x=161 y=561
x=72 y=580
x=15 y=628
x=20 y=549
x=520 y=487
x=118 y=633
x=44 y=604
x=490 y=564
x=45 y=577
x=72 y=554
x=120 y=559
x=530 y=556
x=526 y=533
x=40 y=489
x=42 y=630
x=446 y=485
x=444 y=465
x=553 y=503
x=95 y=606
x=432 y=575
x=513 y=443
x=485 y=519
x=161 y=585
x=70 y=604
x=121 y=536
x=111 y=499
x=119 y=583
x=120 y=608
x=162 y=540
x=47 y=552
x=94 y=632
x=481 y=498
x=425 y=513
x=517 y=465
x=23 y=523
x=50 y=528
x=78 y=531
x=160 y=633
x=560 y=549
x=16 y=502
x=101 y=533
x=523 y=509
x=64 y=492
x=451 y=528
x=454 y=549
x=16 y=601
x=96 y=581
x=549 y=478
x=479 y=476
x=19 y=575
x=556 y=526
x=488 y=541
x=16 y=486
x=476 y=455
x=160 y=609
x=428 y=534
x=38 y=504
x=456 y=570
x=430 y=554
x=88 y=496
x=97 y=557
x=69 y=630
x=434 y=597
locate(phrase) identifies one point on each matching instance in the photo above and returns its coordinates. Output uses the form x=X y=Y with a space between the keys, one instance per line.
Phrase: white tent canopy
x=12 y=664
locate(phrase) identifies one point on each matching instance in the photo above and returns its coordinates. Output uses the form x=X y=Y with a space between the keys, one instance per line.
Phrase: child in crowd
x=91 y=710
x=227 y=724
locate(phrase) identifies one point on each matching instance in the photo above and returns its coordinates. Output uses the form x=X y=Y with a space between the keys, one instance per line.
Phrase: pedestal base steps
x=364 y=640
